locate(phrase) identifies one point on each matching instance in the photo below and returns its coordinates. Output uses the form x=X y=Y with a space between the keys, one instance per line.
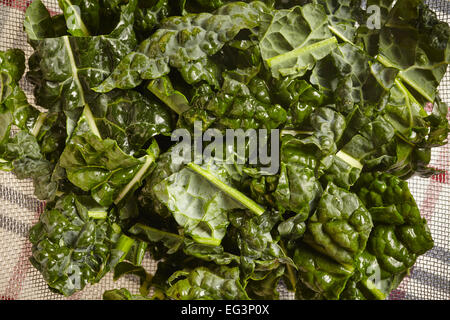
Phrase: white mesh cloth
x=19 y=209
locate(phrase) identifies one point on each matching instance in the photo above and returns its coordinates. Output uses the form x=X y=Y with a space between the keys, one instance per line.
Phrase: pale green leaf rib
x=233 y=193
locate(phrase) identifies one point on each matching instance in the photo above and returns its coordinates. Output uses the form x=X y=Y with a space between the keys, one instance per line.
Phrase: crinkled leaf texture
x=319 y=276
x=235 y=106
x=75 y=244
x=183 y=40
x=130 y=118
x=14 y=107
x=64 y=68
x=400 y=233
x=340 y=227
x=204 y=284
x=99 y=165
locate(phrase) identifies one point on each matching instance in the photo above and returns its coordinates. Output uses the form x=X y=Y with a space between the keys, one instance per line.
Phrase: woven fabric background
x=19 y=209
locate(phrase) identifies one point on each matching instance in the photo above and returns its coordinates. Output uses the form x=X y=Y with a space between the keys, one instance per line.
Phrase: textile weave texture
x=19 y=209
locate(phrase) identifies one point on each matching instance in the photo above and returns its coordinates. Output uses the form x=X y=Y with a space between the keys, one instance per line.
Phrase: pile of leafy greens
x=358 y=110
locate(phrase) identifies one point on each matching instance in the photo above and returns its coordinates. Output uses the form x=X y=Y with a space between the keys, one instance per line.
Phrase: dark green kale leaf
x=353 y=77
x=416 y=43
x=298 y=188
x=201 y=209
x=200 y=200
x=122 y=294
x=183 y=40
x=220 y=283
x=296 y=39
x=338 y=171
x=130 y=118
x=439 y=125
x=26 y=152
x=100 y=166
x=75 y=243
x=149 y=17
x=39 y=24
x=126 y=268
x=400 y=234
x=266 y=288
x=166 y=166
x=260 y=253
x=298 y=96
x=237 y=105
x=167 y=243
x=407 y=115
x=24 y=156
x=344 y=16
x=64 y=68
x=380 y=146
x=82 y=16
x=149 y=14
x=318 y=276
x=326 y=128
x=340 y=226
x=170 y=241
x=370 y=281
x=14 y=107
